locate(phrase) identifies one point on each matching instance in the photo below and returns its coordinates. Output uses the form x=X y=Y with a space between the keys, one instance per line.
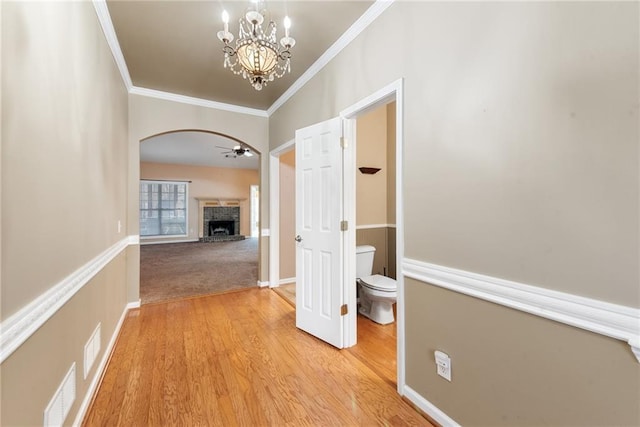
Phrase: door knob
x=298 y=238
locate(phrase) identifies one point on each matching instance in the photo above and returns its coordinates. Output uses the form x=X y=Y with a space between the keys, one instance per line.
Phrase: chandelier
x=256 y=54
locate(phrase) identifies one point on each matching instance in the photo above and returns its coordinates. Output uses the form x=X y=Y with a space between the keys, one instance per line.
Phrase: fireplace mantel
x=218 y=201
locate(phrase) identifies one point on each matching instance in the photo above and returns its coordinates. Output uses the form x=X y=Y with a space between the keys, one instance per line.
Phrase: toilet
x=377 y=293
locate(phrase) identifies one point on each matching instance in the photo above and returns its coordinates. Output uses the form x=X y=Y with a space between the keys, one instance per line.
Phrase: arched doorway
x=195 y=215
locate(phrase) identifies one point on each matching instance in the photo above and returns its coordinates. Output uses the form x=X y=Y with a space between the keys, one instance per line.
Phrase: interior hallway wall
x=521 y=162
x=64 y=198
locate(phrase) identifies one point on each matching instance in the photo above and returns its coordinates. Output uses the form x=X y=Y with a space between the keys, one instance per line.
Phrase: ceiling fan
x=236 y=151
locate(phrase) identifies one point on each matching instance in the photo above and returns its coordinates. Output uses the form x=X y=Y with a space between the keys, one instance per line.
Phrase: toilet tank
x=364 y=260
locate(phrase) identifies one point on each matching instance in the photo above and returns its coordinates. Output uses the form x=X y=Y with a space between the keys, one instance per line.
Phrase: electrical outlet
x=443 y=365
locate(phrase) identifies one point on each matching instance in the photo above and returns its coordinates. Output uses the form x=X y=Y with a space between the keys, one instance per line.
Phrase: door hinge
x=343 y=142
x=344 y=310
x=344 y=225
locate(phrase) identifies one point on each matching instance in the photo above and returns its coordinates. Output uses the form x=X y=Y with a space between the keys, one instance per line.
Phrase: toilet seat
x=379 y=283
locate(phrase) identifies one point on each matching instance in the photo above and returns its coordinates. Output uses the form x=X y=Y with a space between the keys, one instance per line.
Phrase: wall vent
x=91 y=350
x=59 y=406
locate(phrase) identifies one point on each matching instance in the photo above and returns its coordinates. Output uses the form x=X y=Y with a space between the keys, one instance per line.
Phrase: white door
x=319 y=258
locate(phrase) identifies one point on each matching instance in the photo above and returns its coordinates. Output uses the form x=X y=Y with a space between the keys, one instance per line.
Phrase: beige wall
x=521 y=162
x=375 y=194
x=151 y=116
x=513 y=369
x=206 y=182
x=288 y=215
x=371 y=151
x=64 y=189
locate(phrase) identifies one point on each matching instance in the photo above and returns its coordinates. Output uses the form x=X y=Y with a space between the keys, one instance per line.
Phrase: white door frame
x=391 y=92
x=274 y=211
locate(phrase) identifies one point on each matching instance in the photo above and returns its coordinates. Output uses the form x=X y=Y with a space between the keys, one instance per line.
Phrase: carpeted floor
x=179 y=270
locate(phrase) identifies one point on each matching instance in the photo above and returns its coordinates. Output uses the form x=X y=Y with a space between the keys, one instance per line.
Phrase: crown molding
x=167 y=96
x=110 y=34
x=378 y=7
x=354 y=31
x=612 y=320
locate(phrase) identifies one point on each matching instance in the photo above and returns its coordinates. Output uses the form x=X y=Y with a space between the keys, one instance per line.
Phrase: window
x=163 y=208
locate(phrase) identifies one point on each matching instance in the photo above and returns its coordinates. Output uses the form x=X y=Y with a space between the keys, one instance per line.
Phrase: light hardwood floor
x=237 y=359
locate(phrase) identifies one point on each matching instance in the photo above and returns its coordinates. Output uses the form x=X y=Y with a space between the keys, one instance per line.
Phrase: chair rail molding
x=17 y=328
x=612 y=320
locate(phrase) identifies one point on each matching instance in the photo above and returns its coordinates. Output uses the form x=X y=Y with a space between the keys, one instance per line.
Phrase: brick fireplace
x=220 y=220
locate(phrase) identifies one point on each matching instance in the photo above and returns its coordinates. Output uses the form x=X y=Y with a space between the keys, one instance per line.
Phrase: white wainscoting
x=16 y=329
x=95 y=381
x=613 y=320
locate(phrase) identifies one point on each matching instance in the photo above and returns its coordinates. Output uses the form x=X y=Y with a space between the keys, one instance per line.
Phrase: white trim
x=398 y=88
x=265 y=232
x=262 y=284
x=429 y=408
x=101 y=367
x=382 y=96
x=16 y=329
x=112 y=40
x=145 y=241
x=349 y=236
x=167 y=96
x=135 y=304
x=613 y=320
x=372 y=226
x=287 y=281
x=352 y=32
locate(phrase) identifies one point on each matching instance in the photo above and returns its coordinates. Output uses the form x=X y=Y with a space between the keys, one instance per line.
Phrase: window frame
x=160 y=209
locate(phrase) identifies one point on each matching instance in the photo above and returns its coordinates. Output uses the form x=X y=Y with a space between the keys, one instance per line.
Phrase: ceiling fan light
x=248 y=153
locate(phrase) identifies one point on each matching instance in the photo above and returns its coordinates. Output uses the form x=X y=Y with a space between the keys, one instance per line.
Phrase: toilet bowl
x=377 y=296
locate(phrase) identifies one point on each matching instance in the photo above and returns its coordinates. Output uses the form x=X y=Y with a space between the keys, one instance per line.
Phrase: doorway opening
x=392 y=94
x=217 y=248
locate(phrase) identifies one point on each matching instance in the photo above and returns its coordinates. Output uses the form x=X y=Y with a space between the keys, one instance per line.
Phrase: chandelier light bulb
x=225 y=19
x=287 y=25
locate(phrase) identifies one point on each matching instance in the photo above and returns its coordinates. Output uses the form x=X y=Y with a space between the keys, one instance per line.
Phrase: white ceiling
x=194 y=148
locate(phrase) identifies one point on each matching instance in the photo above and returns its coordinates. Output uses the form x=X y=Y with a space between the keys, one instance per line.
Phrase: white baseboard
x=144 y=242
x=135 y=304
x=287 y=281
x=263 y=284
x=429 y=408
x=84 y=406
x=613 y=320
